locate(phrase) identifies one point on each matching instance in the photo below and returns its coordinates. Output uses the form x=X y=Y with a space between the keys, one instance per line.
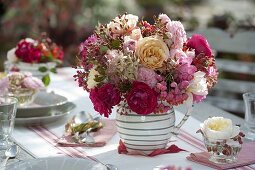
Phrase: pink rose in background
x=200 y=44
x=141 y=98
x=32 y=83
x=147 y=76
x=104 y=98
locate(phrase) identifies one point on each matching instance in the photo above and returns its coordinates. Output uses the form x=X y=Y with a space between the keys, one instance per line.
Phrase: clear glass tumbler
x=8 y=108
x=249 y=101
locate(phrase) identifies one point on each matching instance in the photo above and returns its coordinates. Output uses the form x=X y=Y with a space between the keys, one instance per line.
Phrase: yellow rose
x=152 y=52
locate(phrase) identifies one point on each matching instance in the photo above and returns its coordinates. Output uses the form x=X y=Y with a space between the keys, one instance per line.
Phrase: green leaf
x=53 y=70
x=99 y=78
x=46 y=79
x=125 y=87
x=43 y=69
x=103 y=49
x=101 y=70
x=115 y=44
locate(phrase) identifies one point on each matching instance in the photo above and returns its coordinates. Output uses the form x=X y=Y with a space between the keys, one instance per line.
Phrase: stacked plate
x=47 y=107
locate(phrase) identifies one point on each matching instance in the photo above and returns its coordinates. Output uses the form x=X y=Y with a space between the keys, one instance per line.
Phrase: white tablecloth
x=40 y=141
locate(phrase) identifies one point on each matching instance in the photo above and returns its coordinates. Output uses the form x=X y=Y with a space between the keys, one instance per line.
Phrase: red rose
x=26 y=52
x=104 y=98
x=141 y=98
x=200 y=44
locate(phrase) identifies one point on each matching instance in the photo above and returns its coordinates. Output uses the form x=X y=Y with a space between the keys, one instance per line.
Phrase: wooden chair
x=236 y=73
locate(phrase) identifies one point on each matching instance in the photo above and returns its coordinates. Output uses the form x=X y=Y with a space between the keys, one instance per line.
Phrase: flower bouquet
x=23 y=86
x=39 y=57
x=144 y=69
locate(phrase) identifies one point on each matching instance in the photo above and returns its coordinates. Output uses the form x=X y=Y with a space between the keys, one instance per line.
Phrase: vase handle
x=184 y=119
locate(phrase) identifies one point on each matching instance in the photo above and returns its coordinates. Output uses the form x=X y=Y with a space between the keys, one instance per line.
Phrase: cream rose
x=152 y=52
x=219 y=128
x=91 y=78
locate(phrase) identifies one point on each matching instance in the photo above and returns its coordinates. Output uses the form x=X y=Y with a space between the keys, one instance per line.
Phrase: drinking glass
x=249 y=101
x=8 y=108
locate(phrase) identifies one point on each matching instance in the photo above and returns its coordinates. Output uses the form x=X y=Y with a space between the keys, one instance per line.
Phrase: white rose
x=91 y=78
x=131 y=20
x=128 y=23
x=219 y=128
x=30 y=40
x=198 y=85
x=11 y=56
x=136 y=34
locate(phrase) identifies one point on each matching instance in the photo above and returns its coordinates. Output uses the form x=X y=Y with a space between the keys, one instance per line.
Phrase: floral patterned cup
x=223 y=151
x=222 y=139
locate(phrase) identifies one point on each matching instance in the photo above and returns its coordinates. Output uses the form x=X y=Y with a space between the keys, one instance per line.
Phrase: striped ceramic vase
x=145 y=133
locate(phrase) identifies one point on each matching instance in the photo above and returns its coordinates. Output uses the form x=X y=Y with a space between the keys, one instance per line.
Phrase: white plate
x=56 y=163
x=51 y=114
x=43 y=103
x=45 y=99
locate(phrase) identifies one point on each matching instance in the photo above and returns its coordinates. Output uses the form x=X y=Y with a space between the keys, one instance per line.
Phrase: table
x=63 y=83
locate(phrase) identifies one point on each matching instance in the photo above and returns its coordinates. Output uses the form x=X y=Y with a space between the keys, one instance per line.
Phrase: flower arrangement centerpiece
x=23 y=86
x=144 y=69
x=39 y=57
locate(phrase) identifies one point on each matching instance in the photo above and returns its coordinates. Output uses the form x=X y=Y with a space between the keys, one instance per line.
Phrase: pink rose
x=141 y=98
x=4 y=85
x=32 y=83
x=104 y=98
x=147 y=76
x=200 y=44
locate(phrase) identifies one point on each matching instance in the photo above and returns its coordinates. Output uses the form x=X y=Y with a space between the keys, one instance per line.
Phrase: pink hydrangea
x=141 y=98
x=84 y=46
x=147 y=76
x=177 y=95
x=104 y=98
x=178 y=34
x=185 y=72
x=200 y=44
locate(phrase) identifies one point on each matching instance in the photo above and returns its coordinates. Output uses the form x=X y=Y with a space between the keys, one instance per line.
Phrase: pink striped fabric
x=77 y=152
x=198 y=143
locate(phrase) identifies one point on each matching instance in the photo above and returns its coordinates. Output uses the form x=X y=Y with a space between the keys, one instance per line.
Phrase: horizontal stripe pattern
x=145 y=133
